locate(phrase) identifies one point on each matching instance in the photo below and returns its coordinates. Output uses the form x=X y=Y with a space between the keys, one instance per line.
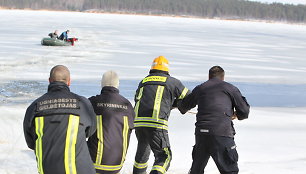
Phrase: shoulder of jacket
x=40 y=98
x=124 y=100
x=81 y=98
x=173 y=79
x=33 y=104
x=93 y=98
x=128 y=102
x=198 y=87
x=230 y=86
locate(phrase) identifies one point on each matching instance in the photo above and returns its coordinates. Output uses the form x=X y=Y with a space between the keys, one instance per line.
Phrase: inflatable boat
x=57 y=42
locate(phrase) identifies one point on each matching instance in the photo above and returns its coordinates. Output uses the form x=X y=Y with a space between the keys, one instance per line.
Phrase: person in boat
x=64 y=35
x=54 y=35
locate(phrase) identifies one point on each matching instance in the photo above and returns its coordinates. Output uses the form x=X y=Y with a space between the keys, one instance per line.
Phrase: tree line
x=228 y=9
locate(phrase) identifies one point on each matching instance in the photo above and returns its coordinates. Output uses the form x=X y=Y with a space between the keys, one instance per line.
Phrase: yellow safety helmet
x=160 y=63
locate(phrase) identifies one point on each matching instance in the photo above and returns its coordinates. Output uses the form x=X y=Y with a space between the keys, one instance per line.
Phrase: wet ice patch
x=15 y=92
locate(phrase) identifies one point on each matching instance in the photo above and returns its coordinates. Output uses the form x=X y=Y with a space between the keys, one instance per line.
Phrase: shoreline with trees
x=207 y=9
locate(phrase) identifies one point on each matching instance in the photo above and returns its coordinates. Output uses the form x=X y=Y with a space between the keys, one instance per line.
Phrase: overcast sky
x=284 y=1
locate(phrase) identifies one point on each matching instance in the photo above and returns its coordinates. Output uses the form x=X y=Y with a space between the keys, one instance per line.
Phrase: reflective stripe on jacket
x=56 y=126
x=154 y=99
x=115 y=117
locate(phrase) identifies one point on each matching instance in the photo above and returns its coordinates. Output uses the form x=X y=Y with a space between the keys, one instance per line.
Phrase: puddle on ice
x=257 y=94
x=16 y=92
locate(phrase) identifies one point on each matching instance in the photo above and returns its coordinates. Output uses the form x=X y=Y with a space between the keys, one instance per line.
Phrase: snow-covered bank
x=272 y=140
x=15 y=156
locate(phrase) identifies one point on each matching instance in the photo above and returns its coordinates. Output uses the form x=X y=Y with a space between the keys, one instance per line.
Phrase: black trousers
x=156 y=140
x=221 y=149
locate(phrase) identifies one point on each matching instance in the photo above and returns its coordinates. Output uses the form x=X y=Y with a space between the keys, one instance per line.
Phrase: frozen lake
x=265 y=60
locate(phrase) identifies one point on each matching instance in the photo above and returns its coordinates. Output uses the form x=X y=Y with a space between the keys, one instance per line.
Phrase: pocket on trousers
x=164 y=139
x=231 y=155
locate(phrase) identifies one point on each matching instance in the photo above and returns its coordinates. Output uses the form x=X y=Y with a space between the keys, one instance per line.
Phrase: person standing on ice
x=218 y=103
x=56 y=126
x=115 y=121
x=156 y=95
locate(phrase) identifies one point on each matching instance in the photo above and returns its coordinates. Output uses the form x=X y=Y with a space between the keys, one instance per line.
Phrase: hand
x=234 y=116
x=191 y=112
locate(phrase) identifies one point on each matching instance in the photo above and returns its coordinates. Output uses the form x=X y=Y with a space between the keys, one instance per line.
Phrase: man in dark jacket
x=218 y=103
x=115 y=121
x=64 y=36
x=56 y=126
x=155 y=97
x=54 y=35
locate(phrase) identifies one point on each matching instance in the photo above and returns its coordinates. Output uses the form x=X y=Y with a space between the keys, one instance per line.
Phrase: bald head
x=60 y=73
x=216 y=72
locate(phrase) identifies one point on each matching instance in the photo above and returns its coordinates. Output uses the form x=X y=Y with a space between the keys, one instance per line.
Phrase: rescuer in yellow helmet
x=155 y=97
x=160 y=63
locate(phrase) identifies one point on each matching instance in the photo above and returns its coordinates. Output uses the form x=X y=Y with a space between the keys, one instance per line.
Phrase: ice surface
x=248 y=51
x=265 y=60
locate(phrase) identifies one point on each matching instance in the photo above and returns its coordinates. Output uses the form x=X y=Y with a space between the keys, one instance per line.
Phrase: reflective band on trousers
x=71 y=139
x=39 y=127
x=163 y=168
x=108 y=167
x=140 y=165
x=168 y=158
x=159 y=168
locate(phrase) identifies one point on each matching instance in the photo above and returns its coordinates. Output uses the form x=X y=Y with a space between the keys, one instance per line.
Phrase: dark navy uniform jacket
x=155 y=97
x=115 y=118
x=53 y=35
x=56 y=126
x=217 y=100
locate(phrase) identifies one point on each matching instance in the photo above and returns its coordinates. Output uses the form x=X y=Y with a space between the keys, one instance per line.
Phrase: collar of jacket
x=109 y=89
x=58 y=86
x=216 y=79
x=152 y=71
